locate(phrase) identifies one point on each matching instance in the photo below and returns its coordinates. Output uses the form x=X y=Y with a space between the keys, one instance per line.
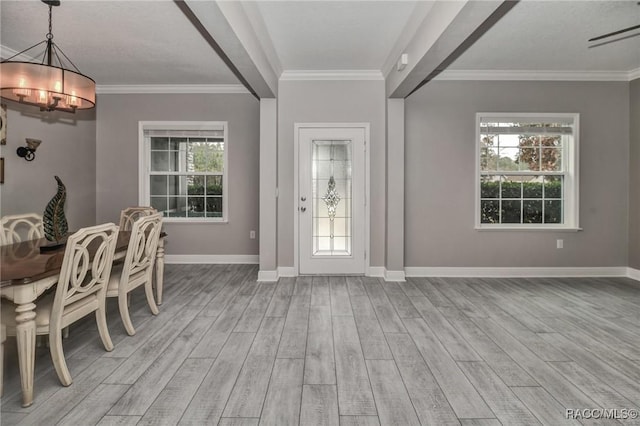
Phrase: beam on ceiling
x=228 y=31
x=448 y=30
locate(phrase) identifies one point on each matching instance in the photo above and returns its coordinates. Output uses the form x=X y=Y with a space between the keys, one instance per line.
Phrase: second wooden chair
x=137 y=269
x=129 y=215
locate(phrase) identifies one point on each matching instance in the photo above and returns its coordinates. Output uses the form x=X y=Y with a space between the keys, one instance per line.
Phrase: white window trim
x=571 y=197
x=144 y=166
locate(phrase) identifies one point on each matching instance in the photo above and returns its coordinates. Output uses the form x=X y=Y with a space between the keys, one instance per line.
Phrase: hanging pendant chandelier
x=49 y=83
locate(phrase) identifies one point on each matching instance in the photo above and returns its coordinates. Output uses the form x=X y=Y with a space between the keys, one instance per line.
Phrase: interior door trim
x=296 y=190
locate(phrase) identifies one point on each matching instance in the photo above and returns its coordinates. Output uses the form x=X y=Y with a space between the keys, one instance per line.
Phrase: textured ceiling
x=552 y=35
x=335 y=35
x=119 y=42
x=151 y=42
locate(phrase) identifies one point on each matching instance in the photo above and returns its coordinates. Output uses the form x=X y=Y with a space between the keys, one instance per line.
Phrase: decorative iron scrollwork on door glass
x=331 y=199
x=331 y=179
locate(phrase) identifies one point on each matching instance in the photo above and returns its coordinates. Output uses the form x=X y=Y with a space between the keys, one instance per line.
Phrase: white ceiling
x=335 y=35
x=552 y=35
x=152 y=42
x=119 y=42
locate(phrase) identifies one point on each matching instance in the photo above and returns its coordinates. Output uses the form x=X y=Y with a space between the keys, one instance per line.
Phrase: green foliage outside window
x=542 y=203
x=527 y=198
x=196 y=188
x=206 y=156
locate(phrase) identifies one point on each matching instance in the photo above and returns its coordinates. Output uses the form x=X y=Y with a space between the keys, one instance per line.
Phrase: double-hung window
x=183 y=170
x=527 y=171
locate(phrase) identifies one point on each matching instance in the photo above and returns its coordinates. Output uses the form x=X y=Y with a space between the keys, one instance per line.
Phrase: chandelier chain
x=53 y=84
x=50 y=33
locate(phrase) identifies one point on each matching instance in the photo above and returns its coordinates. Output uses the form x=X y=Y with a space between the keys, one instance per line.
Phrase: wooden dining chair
x=129 y=215
x=81 y=290
x=20 y=227
x=137 y=269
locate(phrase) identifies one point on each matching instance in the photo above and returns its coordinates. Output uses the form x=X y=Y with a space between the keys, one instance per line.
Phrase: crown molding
x=118 y=89
x=530 y=75
x=7 y=52
x=331 y=75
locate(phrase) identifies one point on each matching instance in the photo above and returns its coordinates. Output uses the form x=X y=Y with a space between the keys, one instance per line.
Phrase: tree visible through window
x=186 y=169
x=527 y=174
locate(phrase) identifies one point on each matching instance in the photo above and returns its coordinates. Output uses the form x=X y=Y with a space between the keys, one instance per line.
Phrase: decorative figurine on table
x=54 y=220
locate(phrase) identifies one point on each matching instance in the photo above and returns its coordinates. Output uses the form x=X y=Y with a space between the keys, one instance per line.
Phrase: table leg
x=26 y=340
x=159 y=271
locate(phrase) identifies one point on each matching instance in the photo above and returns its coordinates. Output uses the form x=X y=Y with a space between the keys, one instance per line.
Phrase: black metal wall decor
x=29 y=152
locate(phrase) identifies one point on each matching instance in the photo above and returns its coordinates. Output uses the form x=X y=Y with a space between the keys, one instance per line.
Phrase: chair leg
x=124 y=314
x=101 y=320
x=57 y=356
x=3 y=337
x=148 y=290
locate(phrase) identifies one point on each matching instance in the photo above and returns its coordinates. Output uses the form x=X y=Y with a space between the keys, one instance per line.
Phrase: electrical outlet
x=559 y=244
x=252 y=235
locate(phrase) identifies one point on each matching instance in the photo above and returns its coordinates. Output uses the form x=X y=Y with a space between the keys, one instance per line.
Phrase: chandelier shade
x=48 y=84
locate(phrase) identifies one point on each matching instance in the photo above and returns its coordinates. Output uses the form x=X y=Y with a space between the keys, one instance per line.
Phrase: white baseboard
x=268 y=276
x=382 y=272
x=212 y=258
x=516 y=272
x=398 y=276
x=286 y=271
x=375 y=271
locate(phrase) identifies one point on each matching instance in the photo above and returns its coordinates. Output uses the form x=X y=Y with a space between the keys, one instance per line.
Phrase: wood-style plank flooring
x=226 y=350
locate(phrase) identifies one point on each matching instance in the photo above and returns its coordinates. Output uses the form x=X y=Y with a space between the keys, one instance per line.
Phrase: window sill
x=528 y=228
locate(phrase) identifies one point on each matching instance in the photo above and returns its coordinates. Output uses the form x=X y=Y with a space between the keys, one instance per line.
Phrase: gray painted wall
x=634 y=176
x=330 y=101
x=117 y=164
x=68 y=150
x=440 y=175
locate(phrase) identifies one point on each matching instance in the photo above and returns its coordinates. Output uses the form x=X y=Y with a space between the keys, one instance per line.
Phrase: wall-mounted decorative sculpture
x=53 y=219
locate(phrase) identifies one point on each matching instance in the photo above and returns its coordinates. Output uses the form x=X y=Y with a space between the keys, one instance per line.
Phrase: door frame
x=296 y=190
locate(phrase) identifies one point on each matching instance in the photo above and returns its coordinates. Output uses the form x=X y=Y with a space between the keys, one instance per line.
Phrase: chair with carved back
x=81 y=290
x=20 y=227
x=129 y=215
x=137 y=269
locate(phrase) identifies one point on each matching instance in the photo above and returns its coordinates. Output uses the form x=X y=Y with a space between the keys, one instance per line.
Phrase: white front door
x=331 y=200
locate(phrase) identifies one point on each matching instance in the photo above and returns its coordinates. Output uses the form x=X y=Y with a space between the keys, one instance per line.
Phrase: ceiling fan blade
x=635 y=27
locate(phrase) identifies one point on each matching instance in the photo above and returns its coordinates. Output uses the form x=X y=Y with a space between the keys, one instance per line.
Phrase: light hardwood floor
x=227 y=350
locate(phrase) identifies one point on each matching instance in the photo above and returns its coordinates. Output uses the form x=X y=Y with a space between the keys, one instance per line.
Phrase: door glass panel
x=331 y=183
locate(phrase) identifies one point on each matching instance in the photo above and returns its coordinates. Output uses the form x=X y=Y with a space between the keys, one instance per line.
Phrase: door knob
x=303 y=209
x=303 y=198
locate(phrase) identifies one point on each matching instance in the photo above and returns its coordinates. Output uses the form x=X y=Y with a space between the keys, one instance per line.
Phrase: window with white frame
x=527 y=171
x=183 y=170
